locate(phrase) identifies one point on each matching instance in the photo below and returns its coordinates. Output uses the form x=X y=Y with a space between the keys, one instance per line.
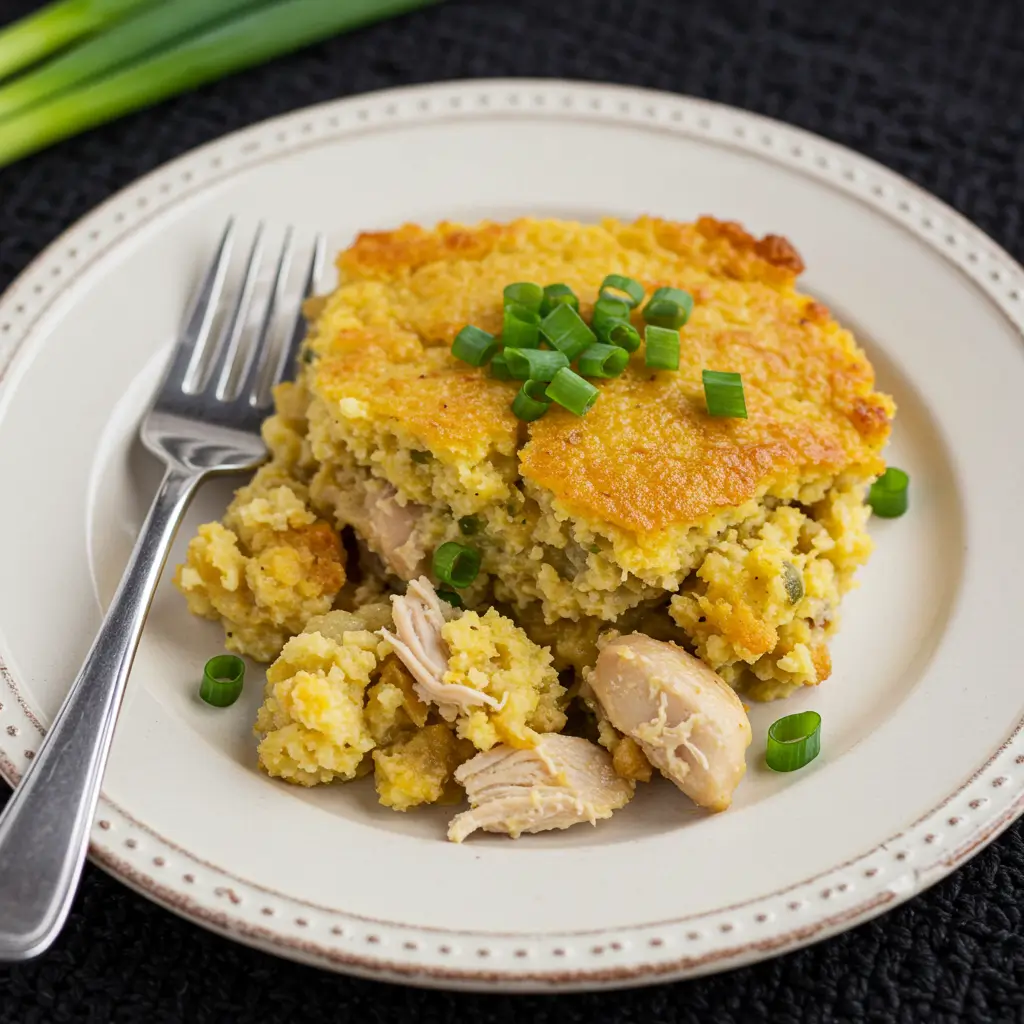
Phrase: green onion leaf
x=668 y=307
x=572 y=392
x=521 y=327
x=242 y=42
x=624 y=335
x=888 y=496
x=794 y=741
x=499 y=367
x=662 y=348
x=145 y=32
x=616 y=286
x=558 y=295
x=603 y=361
x=567 y=332
x=470 y=525
x=534 y=363
x=723 y=393
x=609 y=310
x=56 y=26
x=524 y=293
x=793 y=582
x=456 y=564
x=450 y=597
x=532 y=402
x=474 y=346
x=223 y=677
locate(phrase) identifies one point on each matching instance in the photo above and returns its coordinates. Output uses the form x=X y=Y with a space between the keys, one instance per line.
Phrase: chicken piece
x=562 y=781
x=390 y=530
x=419 y=619
x=690 y=724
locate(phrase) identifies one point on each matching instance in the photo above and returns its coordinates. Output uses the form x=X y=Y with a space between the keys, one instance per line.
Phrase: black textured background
x=934 y=89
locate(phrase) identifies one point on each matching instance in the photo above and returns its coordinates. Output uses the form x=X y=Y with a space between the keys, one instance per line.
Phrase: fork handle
x=44 y=831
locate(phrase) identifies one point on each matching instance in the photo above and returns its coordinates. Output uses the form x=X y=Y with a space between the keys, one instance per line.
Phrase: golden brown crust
x=647 y=457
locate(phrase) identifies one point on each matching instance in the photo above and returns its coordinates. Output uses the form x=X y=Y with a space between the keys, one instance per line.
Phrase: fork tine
x=252 y=387
x=188 y=353
x=290 y=351
x=226 y=350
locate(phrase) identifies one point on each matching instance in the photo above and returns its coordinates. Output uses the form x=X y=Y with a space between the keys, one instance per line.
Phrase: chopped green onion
x=531 y=403
x=668 y=307
x=794 y=741
x=793 y=582
x=521 y=327
x=456 y=564
x=609 y=310
x=567 y=332
x=223 y=677
x=469 y=525
x=603 y=361
x=614 y=286
x=558 y=295
x=474 y=346
x=572 y=392
x=420 y=458
x=450 y=597
x=56 y=26
x=125 y=41
x=662 y=348
x=242 y=42
x=534 y=363
x=723 y=393
x=499 y=367
x=623 y=334
x=888 y=496
x=524 y=293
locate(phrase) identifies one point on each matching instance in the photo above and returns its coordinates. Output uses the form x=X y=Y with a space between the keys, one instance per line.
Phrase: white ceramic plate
x=922 y=760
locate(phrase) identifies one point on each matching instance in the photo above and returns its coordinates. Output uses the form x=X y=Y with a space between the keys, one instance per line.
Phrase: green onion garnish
x=723 y=393
x=474 y=346
x=222 y=680
x=558 y=295
x=251 y=38
x=615 y=286
x=572 y=392
x=499 y=367
x=668 y=307
x=524 y=293
x=532 y=401
x=451 y=597
x=888 y=496
x=456 y=564
x=623 y=334
x=567 y=332
x=521 y=327
x=609 y=311
x=603 y=361
x=794 y=741
x=662 y=348
x=534 y=363
x=470 y=525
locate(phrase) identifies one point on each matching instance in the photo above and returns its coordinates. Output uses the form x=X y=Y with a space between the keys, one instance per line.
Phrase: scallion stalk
x=151 y=29
x=55 y=26
x=243 y=42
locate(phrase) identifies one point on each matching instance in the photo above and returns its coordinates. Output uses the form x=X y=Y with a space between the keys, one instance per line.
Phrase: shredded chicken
x=562 y=781
x=419 y=619
x=391 y=531
x=690 y=724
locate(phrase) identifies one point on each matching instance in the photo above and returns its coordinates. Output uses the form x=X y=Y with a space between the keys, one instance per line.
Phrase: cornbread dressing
x=733 y=538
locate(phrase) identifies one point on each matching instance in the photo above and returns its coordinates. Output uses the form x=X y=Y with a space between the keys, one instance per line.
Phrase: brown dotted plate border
x=849 y=894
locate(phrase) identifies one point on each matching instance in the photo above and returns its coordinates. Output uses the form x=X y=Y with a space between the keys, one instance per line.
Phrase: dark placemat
x=933 y=89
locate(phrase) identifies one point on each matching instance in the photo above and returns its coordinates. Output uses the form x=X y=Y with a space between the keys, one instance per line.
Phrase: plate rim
x=982 y=262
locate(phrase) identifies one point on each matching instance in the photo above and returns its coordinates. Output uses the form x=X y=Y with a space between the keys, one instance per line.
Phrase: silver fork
x=205 y=419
